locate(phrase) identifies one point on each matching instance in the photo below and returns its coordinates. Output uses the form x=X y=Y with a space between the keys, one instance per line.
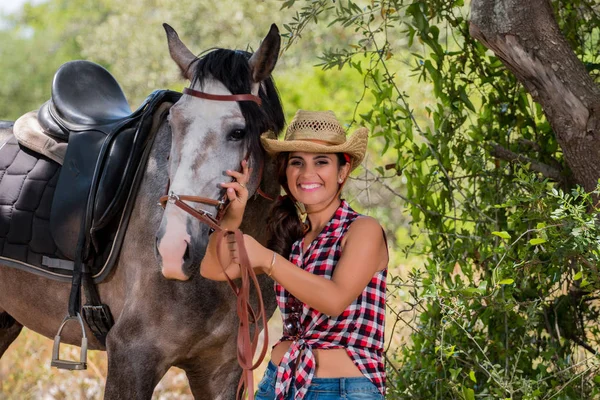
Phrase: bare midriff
x=331 y=363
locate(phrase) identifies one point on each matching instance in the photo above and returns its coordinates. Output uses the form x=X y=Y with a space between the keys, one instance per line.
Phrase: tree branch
x=525 y=36
x=507 y=155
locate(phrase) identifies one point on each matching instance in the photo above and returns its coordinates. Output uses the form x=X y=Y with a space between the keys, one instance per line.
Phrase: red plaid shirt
x=359 y=329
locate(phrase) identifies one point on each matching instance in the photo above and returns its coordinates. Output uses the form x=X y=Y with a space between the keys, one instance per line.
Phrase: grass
x=25 y=374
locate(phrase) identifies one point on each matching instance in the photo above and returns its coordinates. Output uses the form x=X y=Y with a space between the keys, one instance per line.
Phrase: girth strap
x=96 y=314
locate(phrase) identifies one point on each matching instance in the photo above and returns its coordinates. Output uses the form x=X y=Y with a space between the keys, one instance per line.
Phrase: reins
x=246 y=343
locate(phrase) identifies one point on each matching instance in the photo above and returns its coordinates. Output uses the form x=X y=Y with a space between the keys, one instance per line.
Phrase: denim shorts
x=359 y=388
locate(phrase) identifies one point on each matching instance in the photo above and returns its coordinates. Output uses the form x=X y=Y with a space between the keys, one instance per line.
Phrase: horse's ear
x=264 y=59
x=182 y=56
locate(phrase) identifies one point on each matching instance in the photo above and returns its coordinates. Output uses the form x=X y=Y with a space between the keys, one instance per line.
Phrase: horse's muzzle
x=180 y=250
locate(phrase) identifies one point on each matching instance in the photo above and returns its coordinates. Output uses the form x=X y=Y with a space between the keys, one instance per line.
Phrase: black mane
x=231 y=68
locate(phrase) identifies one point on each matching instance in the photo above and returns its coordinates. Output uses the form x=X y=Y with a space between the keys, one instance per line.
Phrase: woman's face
x=314 y=178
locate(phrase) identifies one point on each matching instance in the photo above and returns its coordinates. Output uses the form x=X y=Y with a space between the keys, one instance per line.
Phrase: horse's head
x=210 y=136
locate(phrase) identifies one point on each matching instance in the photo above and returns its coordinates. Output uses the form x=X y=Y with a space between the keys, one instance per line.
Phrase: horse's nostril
x=186 y=255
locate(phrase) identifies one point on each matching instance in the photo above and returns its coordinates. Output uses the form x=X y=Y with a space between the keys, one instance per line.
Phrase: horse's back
x=6 y=124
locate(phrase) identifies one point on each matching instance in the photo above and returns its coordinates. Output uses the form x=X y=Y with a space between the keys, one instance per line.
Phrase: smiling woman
x=329 y=269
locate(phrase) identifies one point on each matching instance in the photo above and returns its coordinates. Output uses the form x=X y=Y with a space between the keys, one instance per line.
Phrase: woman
x=329 y=270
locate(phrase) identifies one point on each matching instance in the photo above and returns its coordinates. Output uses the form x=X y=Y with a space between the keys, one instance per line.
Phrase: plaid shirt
x=359 y=329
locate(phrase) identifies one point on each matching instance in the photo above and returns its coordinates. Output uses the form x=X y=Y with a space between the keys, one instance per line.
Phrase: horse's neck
x=259 y=208
x=146 y=215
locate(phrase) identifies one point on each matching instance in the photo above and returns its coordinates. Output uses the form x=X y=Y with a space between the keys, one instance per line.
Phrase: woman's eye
x=236 y=135
x=295 y=163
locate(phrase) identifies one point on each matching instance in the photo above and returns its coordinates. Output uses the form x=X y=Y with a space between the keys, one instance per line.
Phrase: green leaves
x=503 y=234
x=498 y=243
x=537 y=241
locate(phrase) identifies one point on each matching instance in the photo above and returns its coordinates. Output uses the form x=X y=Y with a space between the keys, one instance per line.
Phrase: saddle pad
x=30 y=134
x=27 y=183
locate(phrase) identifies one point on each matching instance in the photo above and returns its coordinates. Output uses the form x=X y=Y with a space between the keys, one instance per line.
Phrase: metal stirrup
x=68 y=364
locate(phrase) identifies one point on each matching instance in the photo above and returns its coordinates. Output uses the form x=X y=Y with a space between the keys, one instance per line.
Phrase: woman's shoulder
x=364 y=228
x=366 y=236
x=365 y=225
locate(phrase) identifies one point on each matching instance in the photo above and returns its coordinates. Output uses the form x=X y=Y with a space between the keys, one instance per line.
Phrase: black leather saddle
x=85 y=96
x=106 y=145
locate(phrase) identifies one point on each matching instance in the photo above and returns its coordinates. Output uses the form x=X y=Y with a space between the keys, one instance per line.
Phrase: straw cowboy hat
x=318 y=132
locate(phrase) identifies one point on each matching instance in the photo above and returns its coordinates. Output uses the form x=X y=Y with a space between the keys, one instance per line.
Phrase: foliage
x=128 y=39
x=505 y=298
x=503 y=305
x=35 y=43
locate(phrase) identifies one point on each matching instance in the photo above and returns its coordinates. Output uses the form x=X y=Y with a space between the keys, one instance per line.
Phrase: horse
x=165 y=313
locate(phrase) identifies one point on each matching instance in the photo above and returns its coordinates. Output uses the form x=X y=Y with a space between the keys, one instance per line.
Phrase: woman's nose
x=307 y=169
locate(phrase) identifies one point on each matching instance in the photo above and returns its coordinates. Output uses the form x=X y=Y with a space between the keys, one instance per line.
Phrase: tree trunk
x=526 y=37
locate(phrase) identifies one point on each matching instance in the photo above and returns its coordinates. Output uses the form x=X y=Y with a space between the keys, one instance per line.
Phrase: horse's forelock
x=232 y=69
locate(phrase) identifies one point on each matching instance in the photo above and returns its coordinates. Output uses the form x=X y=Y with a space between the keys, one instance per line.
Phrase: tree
x=528 y=40
x=35 y=42
x=502 y=191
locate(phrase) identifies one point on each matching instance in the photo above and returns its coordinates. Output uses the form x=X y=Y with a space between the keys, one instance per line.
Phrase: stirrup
x=68 y=364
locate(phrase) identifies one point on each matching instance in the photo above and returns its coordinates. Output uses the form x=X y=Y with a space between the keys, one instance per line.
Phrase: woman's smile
x=310 y=187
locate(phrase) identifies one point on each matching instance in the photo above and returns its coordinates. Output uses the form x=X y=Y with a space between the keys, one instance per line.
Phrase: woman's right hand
x=237 y=194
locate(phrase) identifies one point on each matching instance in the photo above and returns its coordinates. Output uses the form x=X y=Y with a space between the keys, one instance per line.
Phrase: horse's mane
x=232 y=69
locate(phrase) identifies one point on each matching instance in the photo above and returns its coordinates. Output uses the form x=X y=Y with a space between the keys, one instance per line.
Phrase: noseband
x=202 y=215
x=246 y=344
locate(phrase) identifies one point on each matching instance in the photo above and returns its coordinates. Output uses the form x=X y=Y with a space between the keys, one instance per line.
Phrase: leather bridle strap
x=223 y=97
x=246 y=344
x=201 y=215
x=259 y=191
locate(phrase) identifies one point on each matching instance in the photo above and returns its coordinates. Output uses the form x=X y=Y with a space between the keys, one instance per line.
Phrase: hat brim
x=355 y=146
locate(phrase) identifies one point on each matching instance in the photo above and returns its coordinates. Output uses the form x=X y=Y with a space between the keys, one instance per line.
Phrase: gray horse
x=187 y=322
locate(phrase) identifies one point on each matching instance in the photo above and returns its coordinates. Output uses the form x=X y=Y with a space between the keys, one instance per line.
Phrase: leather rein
x=246 y=343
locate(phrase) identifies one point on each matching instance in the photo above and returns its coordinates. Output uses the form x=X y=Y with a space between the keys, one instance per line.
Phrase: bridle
x=246 y=345
x=223 y=97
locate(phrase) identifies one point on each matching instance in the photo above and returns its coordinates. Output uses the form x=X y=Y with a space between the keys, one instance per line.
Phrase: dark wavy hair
x=283 y=226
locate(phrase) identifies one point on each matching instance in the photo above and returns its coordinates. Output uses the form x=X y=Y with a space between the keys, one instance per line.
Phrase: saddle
x=108 y=146
x=106 y=143
x=85 y=97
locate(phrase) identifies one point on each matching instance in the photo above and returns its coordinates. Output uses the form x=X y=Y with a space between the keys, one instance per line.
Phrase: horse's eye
x=236 y=135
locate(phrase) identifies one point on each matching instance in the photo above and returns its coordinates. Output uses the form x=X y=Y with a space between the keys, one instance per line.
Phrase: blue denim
x=359 y=388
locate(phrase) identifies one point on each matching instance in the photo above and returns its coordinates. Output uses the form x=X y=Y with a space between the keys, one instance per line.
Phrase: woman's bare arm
x=364 y=253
